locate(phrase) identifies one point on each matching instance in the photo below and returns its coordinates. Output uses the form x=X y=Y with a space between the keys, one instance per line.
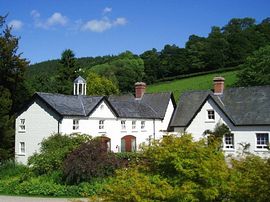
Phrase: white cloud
x=54 y=20
x=103 y=24
x=120 y=21
x=35 y=14
x=15 y=24
x=106 y=10
x=57 y=19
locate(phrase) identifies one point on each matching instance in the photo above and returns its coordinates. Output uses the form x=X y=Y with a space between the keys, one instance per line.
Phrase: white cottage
x=245 y=110
x=123 y=121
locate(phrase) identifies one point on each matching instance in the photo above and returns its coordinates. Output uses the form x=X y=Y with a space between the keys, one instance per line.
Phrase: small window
x=123 y=125
x=211 y=114
x=22 y=125
x=22 y=148
x=101 y=124
x=133 y=124
x=142 y=125
x=262 y=140
x=229 y=141
x=75 y=124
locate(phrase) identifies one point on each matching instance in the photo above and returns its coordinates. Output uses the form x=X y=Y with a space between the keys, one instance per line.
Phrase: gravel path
x=36 y=199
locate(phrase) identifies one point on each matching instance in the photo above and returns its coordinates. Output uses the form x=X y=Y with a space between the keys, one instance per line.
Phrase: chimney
x=218 y=85
x=139 y=89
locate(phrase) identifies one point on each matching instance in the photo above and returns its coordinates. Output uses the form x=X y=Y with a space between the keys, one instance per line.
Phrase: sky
x=99 y=27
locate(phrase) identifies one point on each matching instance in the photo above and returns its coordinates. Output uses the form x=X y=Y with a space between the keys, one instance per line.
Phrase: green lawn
x=203 y=82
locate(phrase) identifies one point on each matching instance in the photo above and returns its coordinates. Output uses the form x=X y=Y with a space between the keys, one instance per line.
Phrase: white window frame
x=22 y=148
x=229 y=141
x=123 y=124
x=142 y=125
x=133 y=124
x=211 y=114
x=262 y=143
x=22 y=126
x=76 y=124
x=101 y=124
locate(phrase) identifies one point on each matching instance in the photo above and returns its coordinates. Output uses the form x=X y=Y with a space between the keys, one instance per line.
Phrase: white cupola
x=79 y=86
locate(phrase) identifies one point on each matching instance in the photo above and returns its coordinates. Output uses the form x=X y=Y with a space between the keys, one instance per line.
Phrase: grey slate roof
x=152 y=105
x=70 y=105
x=243 y=106
x=125 y=106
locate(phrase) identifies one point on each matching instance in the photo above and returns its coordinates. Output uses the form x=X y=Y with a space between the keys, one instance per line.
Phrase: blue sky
x=97 y=27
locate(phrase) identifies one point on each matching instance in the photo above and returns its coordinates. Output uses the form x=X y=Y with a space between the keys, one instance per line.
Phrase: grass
x=203 y=82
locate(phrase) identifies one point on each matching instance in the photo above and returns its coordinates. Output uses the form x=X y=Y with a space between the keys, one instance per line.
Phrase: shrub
x=251 y=179
x=177 y=169
x=133 y=185
x=10 y=168
x=53 y=152
x=90 y=160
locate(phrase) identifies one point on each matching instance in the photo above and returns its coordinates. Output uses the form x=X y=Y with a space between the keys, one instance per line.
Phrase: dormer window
x=211 y=114
x=75 y=124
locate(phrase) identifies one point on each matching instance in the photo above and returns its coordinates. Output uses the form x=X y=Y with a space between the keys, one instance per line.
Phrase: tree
x=12 y=85
x=195 y=53
x=216 y=50
x=125 y=69
x=98 y=85
x=151 y=65
x=243 y=39
x=256 y=69
x=67 y=73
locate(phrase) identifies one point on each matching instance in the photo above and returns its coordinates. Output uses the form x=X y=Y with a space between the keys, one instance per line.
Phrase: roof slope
x=243 y=106
x=152 y=105
x=70 y=105
x=125 y=106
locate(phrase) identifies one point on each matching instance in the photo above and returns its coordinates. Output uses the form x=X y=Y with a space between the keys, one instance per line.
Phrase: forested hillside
x=224 y=47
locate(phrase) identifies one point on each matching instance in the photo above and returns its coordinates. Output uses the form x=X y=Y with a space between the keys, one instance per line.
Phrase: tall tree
x=243 y=39
x=12 y=87
x=216 y=49
x=67 y=73
x=196 y=53
x=151 y=65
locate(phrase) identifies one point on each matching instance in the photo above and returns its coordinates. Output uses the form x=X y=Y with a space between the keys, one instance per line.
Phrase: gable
x=103 y=111
x=201 y=121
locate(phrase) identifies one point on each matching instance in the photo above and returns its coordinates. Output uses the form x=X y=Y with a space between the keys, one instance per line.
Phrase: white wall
x=242 y=134
x=113 y=129
x=40 y=122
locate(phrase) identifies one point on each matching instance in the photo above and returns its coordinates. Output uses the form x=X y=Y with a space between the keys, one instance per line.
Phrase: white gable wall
x=242 y=134
x=40 y=122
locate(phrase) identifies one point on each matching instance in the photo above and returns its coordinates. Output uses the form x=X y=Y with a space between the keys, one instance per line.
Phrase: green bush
x=184 y=170
x=53 y=152
x=133 y=185
x=91 y=160
x=251 y=179
x=10 y=168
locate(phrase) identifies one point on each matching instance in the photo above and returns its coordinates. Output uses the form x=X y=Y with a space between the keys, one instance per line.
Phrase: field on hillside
x=203 y=82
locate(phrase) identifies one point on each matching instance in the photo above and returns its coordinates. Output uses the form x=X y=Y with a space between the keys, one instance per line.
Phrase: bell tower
x=79 y=86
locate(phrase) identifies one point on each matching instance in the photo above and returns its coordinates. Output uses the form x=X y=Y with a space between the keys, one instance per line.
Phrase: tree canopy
x=256 y=69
